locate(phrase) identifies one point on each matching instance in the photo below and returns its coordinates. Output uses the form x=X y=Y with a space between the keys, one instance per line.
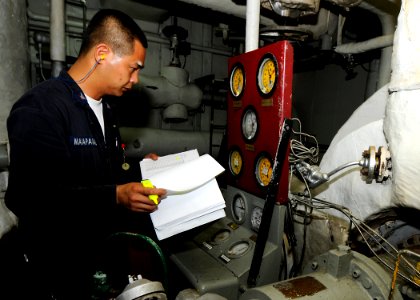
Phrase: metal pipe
x=57 y=36
x=354 y=163
x=375 y=43
x=152 y=37
x=388 y=21
x=252 y=25
x=141 y=141
x=229 y=7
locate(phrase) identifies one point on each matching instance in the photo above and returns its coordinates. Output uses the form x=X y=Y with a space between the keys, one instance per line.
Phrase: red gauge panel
x=264 y=103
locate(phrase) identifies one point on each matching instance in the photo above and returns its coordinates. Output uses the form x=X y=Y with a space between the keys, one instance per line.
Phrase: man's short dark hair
x=114 y=28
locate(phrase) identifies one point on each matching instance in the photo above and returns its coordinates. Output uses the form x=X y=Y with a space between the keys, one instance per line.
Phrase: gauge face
x=238 y=249
x=221 y=236
x=256 y=218
x=235 y=162
x=267 y=75
x=249 y=124
x=238 y=209
x=263 y=170
x=237 y=81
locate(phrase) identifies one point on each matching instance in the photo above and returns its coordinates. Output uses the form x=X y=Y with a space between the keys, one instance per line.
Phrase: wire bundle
x=374 y=241
x=298 y=151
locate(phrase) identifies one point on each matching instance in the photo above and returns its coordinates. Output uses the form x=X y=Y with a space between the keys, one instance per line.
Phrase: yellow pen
x=148 y=183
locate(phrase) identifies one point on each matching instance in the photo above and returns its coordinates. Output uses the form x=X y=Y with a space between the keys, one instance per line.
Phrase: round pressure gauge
x=237 y=80
x=221 y=236
x=256 y=218
x=235 y=162
x=267 y=75
x=239 y=209
x=238 y=249
x=263 y=169
x=249 y=124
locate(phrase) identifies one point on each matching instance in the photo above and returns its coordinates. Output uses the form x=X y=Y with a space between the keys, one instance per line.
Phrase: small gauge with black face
x=249 y=124
x=237 y=81
x=267 y=75
x=239 y=209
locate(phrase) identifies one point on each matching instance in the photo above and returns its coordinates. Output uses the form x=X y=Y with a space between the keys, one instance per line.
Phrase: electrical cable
x=406 y=268
x=306 y=216
x=298 y=151
x=89 y=72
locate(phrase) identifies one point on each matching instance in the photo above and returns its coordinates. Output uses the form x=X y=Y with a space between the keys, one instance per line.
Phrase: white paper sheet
x=194 y=197
x=172 y=230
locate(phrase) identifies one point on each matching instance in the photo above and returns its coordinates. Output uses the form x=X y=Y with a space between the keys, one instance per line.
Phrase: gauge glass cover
x=221 y=236
x=239 y=209
x=267 y=75
x=238 y=249
x=237 y=81
x=263 y=170
x=256 y=218
x=235 y=162
x=249 y=124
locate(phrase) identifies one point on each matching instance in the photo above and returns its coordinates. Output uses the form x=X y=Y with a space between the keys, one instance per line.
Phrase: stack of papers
x=194 y=197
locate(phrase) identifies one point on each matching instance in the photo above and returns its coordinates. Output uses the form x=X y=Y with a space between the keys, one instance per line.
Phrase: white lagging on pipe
x=402 y=118
x=252 y=34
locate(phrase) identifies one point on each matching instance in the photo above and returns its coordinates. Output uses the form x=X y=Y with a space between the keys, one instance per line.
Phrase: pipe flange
x=368 y=169
x=384 y=164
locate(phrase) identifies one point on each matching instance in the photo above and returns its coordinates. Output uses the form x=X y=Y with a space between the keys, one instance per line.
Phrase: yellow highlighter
x=148 y=183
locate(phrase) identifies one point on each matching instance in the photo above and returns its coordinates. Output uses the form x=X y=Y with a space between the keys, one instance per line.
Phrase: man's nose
x=134 y=78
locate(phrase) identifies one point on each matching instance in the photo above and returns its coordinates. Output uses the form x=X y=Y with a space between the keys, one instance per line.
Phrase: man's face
x=123 y=71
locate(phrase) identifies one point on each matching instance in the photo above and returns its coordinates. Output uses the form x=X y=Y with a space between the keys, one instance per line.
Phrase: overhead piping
x=252 y=25
x=229 y=7
x=58 y=34
x=375 y=43
x=388 y=22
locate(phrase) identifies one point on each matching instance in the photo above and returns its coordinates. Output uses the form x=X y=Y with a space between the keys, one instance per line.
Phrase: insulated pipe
x=229 y=7
x=141 y=141
x=57 y=36
x=402 y=122
x=388 y=22
x=385 y=42
x=252 y=25
x=375 y=43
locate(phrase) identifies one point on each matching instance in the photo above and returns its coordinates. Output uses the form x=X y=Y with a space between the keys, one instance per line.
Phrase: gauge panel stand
x=218 y=259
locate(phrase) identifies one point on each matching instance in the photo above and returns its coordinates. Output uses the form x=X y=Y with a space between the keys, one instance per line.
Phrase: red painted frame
x=271 y=112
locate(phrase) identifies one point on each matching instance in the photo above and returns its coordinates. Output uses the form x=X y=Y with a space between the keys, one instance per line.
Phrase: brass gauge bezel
x=263 y=173
x=236 y=161
x=237 y=88
x=249 y=124
x=266 y=90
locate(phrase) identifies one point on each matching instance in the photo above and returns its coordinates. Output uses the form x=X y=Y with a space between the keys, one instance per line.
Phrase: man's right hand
x=135 y=196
